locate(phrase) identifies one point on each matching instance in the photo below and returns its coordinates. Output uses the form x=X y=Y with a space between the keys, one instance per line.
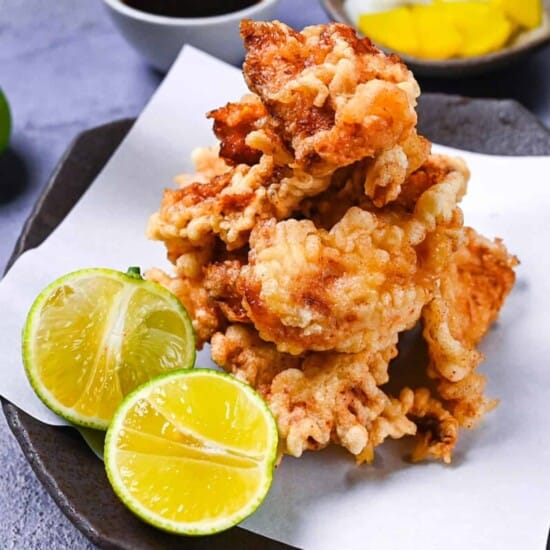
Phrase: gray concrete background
x=64 y=68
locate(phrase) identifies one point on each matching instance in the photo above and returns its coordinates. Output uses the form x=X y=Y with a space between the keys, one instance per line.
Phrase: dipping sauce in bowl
x=189 y=8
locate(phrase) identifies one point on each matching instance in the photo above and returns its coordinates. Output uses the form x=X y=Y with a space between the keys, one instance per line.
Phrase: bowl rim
x=537 y=40
x=133 y=13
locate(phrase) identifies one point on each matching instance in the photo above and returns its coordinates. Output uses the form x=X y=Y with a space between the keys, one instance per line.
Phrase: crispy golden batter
x=233 y=123
x=332 y=290
x=241 y=352
x=355 y=287
x=387 y=172
x=317 y=233
x=470 y=296
x=335 y=98
x=188 y=286
x=437 y=428
x=230 y=204
x=334 y=397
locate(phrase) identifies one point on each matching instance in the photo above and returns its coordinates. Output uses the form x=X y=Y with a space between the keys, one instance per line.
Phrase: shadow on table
x=13 y=176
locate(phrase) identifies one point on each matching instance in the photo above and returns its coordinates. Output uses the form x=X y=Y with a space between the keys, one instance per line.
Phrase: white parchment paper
x=495 y=495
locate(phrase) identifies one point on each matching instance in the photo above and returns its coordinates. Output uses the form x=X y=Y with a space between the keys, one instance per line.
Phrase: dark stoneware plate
x=61 y=460
x=455 y=68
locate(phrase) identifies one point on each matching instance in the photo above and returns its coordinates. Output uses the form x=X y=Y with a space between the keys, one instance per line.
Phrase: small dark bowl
x=527 y=43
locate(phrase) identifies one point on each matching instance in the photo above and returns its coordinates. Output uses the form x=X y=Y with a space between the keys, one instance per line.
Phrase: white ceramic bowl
x=159 y=38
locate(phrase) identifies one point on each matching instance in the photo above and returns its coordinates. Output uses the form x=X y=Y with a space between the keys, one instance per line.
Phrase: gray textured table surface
x=64 y=68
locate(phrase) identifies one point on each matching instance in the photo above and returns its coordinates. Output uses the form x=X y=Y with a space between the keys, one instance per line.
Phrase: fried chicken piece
x=320 y=398
x=335 y=98
x=346 y=290
x=388 y=171
x=471 y=294
x=354 y=287
x=317 y=398
x=205 y=317
x=246 y=131
x=334 y=398
x=233 y=123
x=437 y=428
x=241 y=352
x=230 y=204
x=320 y=230
x=227 y=206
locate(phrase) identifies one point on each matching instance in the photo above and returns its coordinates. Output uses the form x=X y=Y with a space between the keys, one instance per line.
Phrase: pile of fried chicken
x=319 y=230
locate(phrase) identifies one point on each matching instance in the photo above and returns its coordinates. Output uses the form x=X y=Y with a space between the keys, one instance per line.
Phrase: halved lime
x=94 y=335
x=5 y=122
x=192 y=452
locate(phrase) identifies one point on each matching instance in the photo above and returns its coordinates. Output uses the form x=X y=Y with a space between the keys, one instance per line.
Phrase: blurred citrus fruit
x=5 y=122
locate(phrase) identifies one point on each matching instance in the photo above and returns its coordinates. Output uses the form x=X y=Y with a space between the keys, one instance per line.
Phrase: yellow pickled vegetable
x=484 y=27
x=394 y=29
x=438 y=36
x=446 y=29
x=525 y=13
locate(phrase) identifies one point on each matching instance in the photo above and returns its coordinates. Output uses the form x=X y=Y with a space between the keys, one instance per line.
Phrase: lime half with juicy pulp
x=94 y=335
x=5 y=122
x=192 y=452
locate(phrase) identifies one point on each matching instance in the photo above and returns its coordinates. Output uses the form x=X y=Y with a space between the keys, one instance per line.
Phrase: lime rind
x=5 y=122
x=206 y=527
x=33 y=321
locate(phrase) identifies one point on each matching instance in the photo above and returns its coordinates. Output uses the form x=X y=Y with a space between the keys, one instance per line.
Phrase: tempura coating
x=331 y=290
x=352 y=288
x=335 y=98
x=240 y=351
x=233 y=123
x=318 y=232
x=188 y=285
x=333 y=398
x=437 y=429
x=471 y=294
x=322 y=398
x=229 y=204
x=387 y=172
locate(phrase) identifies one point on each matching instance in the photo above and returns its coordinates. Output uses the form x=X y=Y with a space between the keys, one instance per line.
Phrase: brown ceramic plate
x=455 y=68
x=61 y=460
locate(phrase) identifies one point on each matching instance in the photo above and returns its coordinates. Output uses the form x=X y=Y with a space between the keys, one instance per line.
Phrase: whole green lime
x=5 y=122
